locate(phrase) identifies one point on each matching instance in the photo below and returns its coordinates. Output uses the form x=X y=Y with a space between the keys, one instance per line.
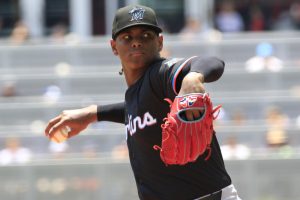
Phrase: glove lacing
x=165 y=125
x=166 y=129
x=214 y=116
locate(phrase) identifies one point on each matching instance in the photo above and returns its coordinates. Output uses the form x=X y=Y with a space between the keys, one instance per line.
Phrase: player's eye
x=126 y=37
x=146 y=35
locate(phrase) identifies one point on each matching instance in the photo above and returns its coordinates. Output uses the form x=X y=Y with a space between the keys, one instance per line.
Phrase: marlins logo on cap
x=134 y=15
x=137 y=13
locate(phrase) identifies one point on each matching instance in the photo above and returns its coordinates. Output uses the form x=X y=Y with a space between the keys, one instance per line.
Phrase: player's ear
x=113 y=47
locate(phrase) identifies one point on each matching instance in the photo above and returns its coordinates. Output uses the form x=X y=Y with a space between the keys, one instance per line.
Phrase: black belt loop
x=214 y=196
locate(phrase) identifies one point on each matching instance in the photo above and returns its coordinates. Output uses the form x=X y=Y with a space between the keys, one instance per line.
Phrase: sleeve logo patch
x=171 y=62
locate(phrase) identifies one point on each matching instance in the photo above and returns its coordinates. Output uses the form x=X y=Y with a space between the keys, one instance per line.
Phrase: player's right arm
x=79 y=119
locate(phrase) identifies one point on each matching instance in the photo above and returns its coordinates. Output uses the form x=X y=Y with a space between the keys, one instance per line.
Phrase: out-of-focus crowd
x=230 y=17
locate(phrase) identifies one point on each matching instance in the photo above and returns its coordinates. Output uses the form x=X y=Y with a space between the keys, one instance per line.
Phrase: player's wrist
x=192 y=83
x=92 y=113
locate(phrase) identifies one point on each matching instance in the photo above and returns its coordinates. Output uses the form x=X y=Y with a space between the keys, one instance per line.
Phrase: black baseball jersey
x=145 y=109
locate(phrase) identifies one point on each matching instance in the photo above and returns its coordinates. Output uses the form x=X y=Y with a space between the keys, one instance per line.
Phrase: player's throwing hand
x=77 y=120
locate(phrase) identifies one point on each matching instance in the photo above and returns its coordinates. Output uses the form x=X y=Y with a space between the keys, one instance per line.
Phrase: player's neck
x=132 y=76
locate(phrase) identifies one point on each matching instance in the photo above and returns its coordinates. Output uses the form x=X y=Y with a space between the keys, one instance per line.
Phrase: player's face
x=137 y=47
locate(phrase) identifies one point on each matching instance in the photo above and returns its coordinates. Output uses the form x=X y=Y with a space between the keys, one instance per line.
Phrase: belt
x=213 y=196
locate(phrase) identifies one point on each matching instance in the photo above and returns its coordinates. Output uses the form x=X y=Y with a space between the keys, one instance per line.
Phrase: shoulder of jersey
x=170 y=62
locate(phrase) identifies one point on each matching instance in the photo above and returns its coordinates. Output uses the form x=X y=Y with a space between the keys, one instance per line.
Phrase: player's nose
x=136 y=43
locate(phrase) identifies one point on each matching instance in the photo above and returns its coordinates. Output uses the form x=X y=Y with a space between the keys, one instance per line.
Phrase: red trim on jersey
x=178 y=70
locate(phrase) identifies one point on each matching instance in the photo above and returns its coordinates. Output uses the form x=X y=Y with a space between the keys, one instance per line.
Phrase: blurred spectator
x=228 y=19
x=194 y=30
x=20 y=33
x=1 y=25
x=277 y=123
x=257 y=19
x=295 y=14
x=289 y=20
x=52 y=94
x=14 y=153
x=89 y=150
x=120 y=151
x=58 y=33
x=233 y=150
x=264 y=59
x=191 y=29
x=238 y=117
x=8 y=89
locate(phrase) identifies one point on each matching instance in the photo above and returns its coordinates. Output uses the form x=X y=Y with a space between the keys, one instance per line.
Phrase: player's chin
x=140 y=62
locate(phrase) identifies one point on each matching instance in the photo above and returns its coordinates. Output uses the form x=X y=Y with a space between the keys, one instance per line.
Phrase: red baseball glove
x=184 y=141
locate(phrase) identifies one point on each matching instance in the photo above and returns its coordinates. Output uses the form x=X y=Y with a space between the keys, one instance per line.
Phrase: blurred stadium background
x=55 y=55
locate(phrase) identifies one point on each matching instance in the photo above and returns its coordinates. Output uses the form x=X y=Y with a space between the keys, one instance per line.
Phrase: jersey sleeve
x=165 y=76
x=212 y=68
x=112 y=112
x=173 y=71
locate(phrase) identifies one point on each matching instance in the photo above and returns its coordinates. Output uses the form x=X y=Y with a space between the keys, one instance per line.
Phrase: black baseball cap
x=134 y=15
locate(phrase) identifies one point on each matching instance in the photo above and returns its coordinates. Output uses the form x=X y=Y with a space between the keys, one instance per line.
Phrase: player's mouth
x=137 y=53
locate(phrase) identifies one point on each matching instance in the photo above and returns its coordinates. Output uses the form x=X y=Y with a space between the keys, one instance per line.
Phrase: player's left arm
x=201 y=70
x=211 y=68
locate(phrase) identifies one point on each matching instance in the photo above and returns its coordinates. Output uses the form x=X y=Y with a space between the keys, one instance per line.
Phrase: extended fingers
x=56 y=124
x=51 y=123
